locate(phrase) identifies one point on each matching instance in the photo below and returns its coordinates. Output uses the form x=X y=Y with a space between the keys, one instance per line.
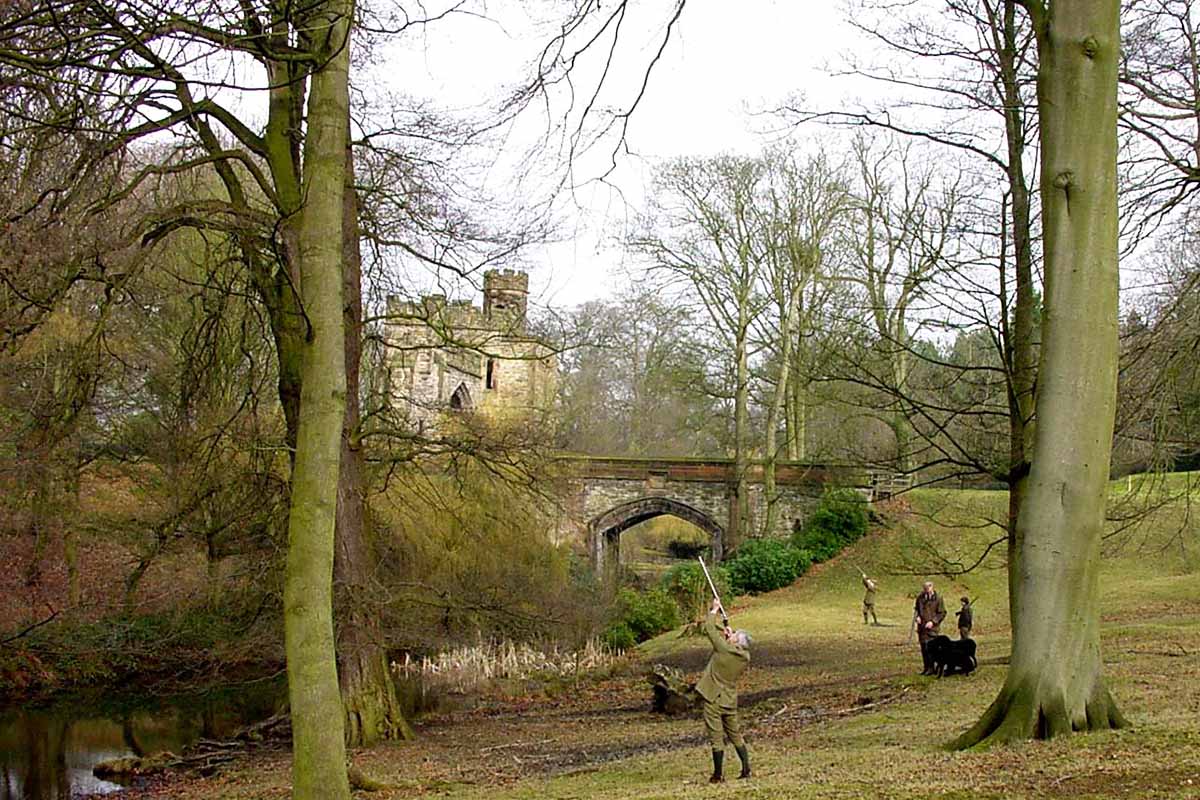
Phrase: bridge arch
x=605 y=530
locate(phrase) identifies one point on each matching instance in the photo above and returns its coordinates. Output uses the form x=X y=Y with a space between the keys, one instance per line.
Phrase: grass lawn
x=833 y=708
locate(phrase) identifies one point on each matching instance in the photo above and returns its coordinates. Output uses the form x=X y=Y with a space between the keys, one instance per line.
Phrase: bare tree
x=902 y=234
x=803 y=203
x=704 y=230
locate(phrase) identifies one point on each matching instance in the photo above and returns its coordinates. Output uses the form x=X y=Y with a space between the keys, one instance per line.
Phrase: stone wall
x=607 y=496
x=456 y=357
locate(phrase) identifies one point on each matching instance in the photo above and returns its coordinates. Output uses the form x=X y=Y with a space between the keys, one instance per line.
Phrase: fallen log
x=205 y=756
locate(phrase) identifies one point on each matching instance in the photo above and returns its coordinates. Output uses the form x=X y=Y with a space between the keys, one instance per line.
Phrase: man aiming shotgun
x=869 y=597
x=718 y=685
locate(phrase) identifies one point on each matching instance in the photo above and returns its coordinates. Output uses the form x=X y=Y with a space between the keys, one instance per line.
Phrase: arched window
x=461 y=399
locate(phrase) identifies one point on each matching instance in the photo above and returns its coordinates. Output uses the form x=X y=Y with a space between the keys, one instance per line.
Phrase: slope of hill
x=834 y=708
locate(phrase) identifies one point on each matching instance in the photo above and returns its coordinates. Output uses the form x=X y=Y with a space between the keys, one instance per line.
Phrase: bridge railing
x=889 y=484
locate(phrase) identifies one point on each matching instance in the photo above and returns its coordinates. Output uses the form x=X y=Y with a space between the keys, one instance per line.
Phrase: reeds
x=471 y=667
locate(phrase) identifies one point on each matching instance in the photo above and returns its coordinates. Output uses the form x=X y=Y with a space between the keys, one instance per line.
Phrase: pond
x=48 y=752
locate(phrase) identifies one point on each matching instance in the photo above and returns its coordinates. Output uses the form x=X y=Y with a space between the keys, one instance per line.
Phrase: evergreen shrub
x=839 y=520
x=641 y=616
x=683 y=548
x=618 y=636
x=763 y=565
x=688 y=587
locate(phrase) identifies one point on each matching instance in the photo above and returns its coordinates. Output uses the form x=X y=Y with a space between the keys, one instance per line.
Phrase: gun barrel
x=713 y=586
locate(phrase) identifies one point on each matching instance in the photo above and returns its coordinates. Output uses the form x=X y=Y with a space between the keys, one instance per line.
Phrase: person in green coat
x=869 y=598
x=718 y=688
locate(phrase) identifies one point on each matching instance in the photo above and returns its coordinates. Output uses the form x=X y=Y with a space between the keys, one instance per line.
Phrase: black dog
x=950 y=656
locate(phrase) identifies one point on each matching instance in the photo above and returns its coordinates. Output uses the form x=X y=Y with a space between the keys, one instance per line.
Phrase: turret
x=506 y=297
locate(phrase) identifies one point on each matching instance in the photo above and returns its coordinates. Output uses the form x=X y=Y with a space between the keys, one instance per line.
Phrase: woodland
x=983 y=283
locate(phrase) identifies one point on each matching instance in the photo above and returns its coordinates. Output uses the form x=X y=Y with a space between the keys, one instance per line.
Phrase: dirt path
x=578 y=729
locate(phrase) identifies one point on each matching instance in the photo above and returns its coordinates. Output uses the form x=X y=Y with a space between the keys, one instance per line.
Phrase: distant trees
x=902 y=238
x=705 y=233
x=47 y=400
x=635 y=379
x=972 y=105
x=804 y=204
x=1161 y=136
x=749 y=242
x=1159 y=398
x=65 y=263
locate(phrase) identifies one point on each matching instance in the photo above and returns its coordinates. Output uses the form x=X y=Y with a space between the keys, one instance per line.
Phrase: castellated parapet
x=455 y=357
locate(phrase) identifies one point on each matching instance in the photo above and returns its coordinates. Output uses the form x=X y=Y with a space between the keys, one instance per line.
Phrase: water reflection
x=48 y=753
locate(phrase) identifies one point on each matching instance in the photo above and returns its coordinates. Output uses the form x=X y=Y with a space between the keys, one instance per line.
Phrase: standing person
x=718 y=687
x=929 y=611
x=868 y=598
x=964 y=618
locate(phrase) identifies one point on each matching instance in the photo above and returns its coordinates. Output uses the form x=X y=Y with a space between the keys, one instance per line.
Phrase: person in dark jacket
x=964 y=618
x=928 y=613
x=718 y=687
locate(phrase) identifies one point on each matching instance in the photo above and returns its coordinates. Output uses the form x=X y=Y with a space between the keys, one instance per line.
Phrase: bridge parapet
x=709 y=470
x=611 y=494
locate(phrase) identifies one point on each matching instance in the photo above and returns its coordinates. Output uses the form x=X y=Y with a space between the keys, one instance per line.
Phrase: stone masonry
x=453 y=358
x=606 y=496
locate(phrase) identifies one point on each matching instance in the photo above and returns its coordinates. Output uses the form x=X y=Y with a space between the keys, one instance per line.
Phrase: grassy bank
x=836 y=709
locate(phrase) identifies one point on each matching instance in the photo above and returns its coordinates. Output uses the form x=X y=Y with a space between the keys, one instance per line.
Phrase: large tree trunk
x=1055 y=683
x=368 y=694
x=318 y=739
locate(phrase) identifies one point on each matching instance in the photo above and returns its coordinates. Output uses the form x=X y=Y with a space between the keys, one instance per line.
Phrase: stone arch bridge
x=606 y=496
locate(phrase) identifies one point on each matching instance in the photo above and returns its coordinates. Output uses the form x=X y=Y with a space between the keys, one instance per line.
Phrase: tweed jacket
x=718 y=684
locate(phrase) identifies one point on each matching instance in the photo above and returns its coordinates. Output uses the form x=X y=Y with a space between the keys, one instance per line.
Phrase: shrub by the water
x=839 y=520
x=642 y=615
x=618 y=636
x=762 y=565
x=683 y=548
x=689 y=588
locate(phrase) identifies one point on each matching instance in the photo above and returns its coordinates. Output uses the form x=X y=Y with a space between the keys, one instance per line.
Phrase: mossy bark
x=369 y=700
x=41 y=522
x=1055 y=682
x=318 y=741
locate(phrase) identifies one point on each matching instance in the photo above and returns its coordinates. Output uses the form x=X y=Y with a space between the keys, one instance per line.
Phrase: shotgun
x=713 y=586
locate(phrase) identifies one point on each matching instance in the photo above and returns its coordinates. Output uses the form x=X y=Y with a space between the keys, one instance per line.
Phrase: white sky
x=720 y=67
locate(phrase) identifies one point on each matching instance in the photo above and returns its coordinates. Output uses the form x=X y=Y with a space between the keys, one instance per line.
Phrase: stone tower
x=449 y=358
x=506 y=298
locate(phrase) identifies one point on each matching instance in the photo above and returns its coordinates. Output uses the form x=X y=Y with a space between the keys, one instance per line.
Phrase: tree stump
x=673 y=695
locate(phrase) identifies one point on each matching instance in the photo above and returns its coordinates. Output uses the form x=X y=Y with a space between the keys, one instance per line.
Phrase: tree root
x=1021 y=713
x=362 y=782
